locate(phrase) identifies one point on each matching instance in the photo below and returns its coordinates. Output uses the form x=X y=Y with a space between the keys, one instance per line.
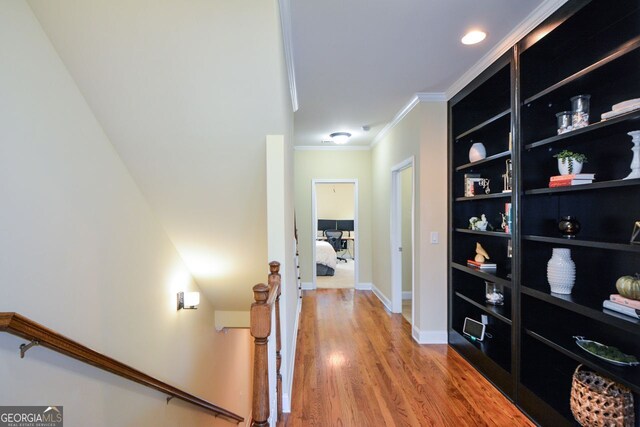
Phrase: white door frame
x=314 y=228
x=396 y=236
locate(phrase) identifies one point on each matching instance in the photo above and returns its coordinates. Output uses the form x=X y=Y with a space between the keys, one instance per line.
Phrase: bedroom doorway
x=335 y=207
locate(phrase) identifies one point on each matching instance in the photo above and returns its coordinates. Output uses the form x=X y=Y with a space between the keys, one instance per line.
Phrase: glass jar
x=494 y=293
x=564 y=121
x=580 y=111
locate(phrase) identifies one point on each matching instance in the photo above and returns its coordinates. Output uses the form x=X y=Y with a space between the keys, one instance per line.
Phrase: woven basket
x=597 y=401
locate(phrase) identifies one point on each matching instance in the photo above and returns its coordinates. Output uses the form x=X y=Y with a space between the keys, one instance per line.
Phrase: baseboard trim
x=407 y=295
x=385 y=301
x=429 y=337
x=307 y=286
x=286 y=401
x=364 y=286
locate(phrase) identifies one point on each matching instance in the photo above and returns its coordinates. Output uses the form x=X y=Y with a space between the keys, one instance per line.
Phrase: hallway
x=357 y=365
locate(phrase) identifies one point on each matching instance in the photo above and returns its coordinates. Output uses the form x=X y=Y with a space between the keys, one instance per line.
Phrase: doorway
x=402 y=242
x=335 y=207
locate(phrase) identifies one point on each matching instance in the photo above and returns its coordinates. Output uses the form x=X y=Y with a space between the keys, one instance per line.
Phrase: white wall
x=82 y=253
x=318 y=164
x=335 y=201
x=423 y=134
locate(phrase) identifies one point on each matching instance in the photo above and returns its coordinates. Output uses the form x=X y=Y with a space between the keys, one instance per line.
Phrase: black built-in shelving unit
x=586 y=47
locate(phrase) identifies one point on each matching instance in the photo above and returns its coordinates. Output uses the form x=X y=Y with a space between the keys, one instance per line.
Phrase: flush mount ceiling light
x=473 y=37
x=340 y=137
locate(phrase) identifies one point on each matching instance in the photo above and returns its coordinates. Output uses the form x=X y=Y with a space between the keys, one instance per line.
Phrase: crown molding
x=431 y=96
x=332 y=148
x=285 y=22
x=538 y=15
x=417 y=98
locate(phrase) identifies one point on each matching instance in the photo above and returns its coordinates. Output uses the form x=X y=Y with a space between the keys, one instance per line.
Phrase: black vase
x=569 y=226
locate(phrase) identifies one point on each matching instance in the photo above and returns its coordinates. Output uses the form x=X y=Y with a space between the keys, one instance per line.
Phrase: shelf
x=487 y=233
x=497 y=311
x=621 y=51
x=496 y=362
x=584 y=243
x=586 y=305
x=626 y=375
x=498 y=277
x=483 y=124
x=485 y=196
x=483 y=161
x=582 y=187
x=624 y=122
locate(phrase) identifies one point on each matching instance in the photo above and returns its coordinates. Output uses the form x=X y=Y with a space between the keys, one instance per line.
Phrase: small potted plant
x=570 y=162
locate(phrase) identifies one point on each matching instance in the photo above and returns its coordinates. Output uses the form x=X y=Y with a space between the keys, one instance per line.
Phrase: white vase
x=635 y=162
x=561 y=271
x=477 y=152
x=563 y=166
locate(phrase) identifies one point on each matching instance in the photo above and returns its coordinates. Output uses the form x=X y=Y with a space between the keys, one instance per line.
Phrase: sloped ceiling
x=187 y=91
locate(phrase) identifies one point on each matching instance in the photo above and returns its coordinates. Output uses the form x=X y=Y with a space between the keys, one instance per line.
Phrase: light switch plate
x=434 y=237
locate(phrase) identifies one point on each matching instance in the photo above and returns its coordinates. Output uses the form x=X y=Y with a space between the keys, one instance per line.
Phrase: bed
x=325 y=259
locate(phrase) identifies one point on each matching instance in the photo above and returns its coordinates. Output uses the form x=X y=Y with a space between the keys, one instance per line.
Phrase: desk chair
x=334 y=237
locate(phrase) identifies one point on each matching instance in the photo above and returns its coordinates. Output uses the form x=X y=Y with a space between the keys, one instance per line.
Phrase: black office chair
x=334 y=237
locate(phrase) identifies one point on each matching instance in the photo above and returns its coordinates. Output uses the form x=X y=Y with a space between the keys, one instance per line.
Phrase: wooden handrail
x=38 y=334
x=266 y=298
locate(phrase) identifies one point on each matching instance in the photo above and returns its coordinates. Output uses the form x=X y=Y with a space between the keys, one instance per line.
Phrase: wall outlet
x=434 y=237
x=485 y=319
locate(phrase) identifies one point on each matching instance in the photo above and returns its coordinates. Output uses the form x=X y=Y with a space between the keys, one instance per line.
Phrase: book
x=569 y=182
x=481 y=265
x=619 y=299
x=573 y=176
x=628 y=311
x=507 y=213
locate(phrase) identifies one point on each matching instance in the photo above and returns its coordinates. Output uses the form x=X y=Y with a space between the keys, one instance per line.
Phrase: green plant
x=570 y=155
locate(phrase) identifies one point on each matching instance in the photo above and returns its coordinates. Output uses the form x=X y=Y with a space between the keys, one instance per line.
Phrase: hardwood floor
x=357 y=365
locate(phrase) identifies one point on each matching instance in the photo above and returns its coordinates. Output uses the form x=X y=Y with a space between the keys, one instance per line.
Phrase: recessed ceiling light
x=340 y=137
x=473 y=37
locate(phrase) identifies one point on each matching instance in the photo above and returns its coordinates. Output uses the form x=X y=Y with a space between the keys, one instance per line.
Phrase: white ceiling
x=359 y=62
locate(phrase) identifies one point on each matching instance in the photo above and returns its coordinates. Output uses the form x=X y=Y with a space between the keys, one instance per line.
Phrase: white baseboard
x=307 y=286
x=407 y=295
x=286 y=400
x=429 y=337
x=385 y=301
x=364 y=286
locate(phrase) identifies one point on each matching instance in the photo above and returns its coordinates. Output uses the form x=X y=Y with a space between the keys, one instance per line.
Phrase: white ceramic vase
x=635 y=162
x=561 y=271
x=477 y=152
x=563 y=166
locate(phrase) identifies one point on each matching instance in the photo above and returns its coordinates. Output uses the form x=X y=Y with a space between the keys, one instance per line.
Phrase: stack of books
x=481 y=265
x=620 y=304
x=573 y=179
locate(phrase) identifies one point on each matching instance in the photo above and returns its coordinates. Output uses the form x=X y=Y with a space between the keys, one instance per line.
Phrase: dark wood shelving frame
x=486 y=233
x=501 y=155
x=484 y=124
x=496 y=311
x=584 y=67
x=483 y=196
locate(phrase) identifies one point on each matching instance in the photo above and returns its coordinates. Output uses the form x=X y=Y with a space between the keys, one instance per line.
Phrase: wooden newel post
x=260 y=330
x=274 y=277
